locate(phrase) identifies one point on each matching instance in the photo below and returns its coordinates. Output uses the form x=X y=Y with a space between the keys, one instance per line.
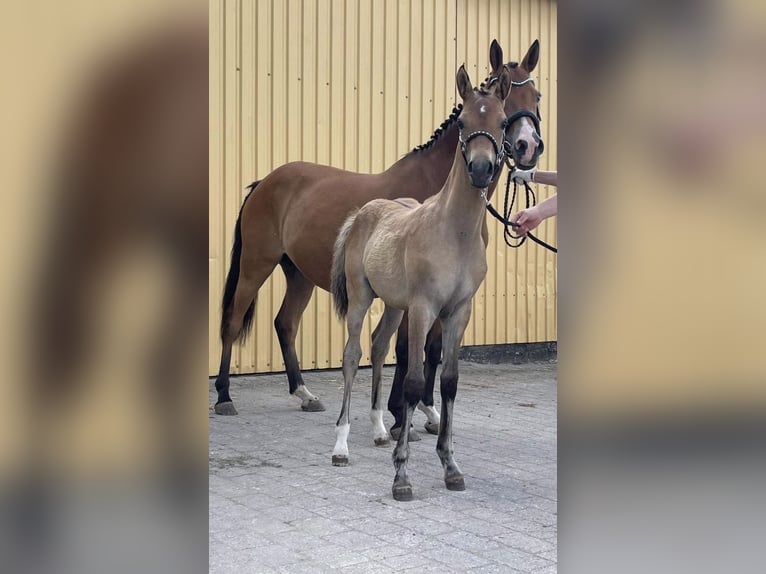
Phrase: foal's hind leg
x=297 y=296
x=453 y=328
x=252 y=276
x=358 y=304
x=381 y=340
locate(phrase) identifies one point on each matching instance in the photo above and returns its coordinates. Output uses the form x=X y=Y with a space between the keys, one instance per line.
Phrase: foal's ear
x=533 y=55
x=495 y=57
x=503 y=84
x=464 y=87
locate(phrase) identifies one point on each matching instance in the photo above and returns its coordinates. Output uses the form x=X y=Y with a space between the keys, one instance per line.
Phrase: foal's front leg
x=453 y=328
x=421 y=318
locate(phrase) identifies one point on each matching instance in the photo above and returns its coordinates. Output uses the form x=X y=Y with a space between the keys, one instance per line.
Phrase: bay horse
x=427 y=259
x=272 y=229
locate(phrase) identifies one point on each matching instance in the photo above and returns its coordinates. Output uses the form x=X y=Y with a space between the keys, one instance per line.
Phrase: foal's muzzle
x=480 y=172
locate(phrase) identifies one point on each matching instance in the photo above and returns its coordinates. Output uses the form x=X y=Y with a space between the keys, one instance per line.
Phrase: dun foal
x=427 y=259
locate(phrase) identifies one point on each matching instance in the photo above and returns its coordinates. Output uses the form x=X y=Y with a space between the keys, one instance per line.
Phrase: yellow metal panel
x=356 y=84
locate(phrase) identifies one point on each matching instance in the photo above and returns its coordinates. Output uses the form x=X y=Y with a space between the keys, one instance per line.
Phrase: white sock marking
x=341 y=440
x=378 y=428
x=304 y=394
x=430 y=412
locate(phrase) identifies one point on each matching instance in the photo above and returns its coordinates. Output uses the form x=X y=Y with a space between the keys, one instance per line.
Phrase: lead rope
x=505 y=219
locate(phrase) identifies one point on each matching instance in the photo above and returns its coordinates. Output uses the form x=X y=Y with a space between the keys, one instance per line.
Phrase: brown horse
x=427 y=259
x=272 y=230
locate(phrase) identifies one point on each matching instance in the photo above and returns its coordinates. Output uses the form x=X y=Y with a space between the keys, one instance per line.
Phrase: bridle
x=534 y=117
x=505 y=219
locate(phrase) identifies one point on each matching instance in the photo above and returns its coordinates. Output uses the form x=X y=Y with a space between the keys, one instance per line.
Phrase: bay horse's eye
x=460 y=124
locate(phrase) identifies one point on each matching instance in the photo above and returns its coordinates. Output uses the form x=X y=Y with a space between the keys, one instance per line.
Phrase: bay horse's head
x=522 y=105
x=482 y=125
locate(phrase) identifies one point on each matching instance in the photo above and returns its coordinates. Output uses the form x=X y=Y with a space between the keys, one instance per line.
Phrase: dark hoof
x=455 y=483
x=382 y=441
x=314 y=406
x=339 y=460
x=394 y=432
x=226 y=408
x=402 y=493
x=432 y=428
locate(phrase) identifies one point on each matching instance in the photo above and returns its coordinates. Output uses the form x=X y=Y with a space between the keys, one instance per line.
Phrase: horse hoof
x=382 y=441
x=395 y=432
x=455 y=483
x=339 y=460
x=402 y=493
x=226 y=408
x=312 y=406
x=432 y=428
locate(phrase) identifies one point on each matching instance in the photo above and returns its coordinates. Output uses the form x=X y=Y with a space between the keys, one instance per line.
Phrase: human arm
x=531 y=217
x=535 y=175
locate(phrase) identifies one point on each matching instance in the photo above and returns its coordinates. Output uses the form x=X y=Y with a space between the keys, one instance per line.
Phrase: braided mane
x=441 y=129
x=456 y=112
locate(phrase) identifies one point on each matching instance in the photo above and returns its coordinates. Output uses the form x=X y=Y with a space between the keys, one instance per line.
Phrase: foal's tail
x=338 y=273
x=233 y=278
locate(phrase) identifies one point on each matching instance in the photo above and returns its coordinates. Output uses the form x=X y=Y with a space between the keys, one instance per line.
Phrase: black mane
x=441 y=129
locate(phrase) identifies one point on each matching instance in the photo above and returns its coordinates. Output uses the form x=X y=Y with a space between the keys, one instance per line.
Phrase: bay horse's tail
x=233 y=278
x=338 y=273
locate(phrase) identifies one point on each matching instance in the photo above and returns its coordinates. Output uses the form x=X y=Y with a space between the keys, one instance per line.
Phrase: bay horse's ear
x=503 y=84
x=495 y=57
x=464 y=87
x=533 y=55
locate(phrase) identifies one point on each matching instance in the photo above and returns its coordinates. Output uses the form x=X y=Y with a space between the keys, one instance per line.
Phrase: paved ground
x=278 y=505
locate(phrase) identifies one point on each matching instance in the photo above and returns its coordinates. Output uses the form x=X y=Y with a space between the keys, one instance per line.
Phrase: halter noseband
x=499 y=150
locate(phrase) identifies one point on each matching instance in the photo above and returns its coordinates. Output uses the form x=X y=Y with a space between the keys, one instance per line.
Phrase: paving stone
x=277 y=505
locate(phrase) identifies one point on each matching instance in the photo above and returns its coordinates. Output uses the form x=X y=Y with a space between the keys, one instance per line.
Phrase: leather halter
x=499 y=150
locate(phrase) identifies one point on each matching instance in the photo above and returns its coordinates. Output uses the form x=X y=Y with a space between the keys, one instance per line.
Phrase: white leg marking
x=430 y=412
x=341 y=440
x=379 y=432
x=304 y=394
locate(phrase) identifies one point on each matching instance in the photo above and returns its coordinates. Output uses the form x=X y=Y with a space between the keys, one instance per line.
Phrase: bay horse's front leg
x=433 y=350
x=433 y=356
x=381 y=341
x=421 y=318
x=453 y=328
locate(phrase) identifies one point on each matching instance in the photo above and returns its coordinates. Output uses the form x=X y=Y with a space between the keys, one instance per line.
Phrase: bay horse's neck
x=429 y=167
x=462 y=205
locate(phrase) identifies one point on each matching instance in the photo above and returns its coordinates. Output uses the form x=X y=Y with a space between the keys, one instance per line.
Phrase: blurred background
x=104 y=436
x=661 y=272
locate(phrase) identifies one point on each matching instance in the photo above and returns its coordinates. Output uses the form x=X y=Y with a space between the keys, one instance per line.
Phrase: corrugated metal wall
x=356 y=84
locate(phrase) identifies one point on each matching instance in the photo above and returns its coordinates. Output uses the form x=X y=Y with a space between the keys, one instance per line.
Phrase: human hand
x=527 y=219
x=523 y=175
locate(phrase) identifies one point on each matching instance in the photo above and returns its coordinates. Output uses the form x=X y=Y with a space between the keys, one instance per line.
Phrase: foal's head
x=522 y=105
x=482 y=126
